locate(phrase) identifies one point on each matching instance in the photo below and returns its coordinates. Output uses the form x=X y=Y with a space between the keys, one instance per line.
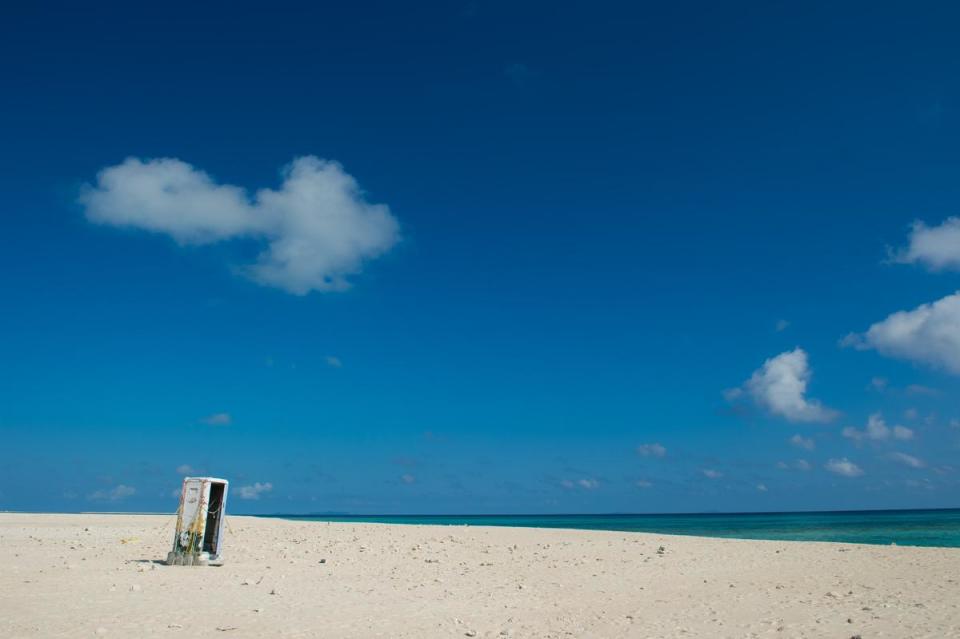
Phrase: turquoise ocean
x=902 y=527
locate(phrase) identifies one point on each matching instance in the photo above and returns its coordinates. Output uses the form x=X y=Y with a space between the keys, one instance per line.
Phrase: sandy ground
x=98 y=575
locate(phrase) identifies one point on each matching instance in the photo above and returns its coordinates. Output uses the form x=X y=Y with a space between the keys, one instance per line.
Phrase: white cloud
x=185 y=469
x=643 y=483
x=116 y=493
x=902 y=432
x=333 y=362
x=762 y=488
x=172 y=197
x=936 y=247
x=780 y=386
x=709 y=473
x=782 y=325
x=805 y=443
x=217 y=419
x=879 y=383
x=585 y=483
x=802 y=464
x=907 y=460
x=732 y=394
x=877 y=430
x=929 y=334
x=317 y=228
x=920 y=389
x=844 y=467
x=254 y=491
x=651 y=450
x=407 y=478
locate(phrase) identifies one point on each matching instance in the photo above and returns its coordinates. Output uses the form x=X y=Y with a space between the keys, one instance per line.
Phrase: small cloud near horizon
x=333 y=361
x=585 y=483
x=651 y=450
x=217 y=419
x=800 y=464
x=121 y=491
x=843 y=467
x=877 y=430
x=908 y=460
x=920 y=389
x=254 y=490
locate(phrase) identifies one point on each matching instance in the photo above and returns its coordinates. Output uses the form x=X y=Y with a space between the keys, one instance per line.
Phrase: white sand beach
x=98 y=575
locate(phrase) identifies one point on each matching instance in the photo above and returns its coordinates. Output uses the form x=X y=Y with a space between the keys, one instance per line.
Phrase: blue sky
x=480 y=257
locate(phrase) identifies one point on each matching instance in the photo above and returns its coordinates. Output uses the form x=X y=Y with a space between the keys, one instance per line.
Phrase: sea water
x=903 y=527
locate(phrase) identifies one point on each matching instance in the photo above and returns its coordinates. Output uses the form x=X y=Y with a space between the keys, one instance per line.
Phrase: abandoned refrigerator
x=200 y=521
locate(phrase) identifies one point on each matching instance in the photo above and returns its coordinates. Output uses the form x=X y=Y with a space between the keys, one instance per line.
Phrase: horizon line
x=491 y=515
